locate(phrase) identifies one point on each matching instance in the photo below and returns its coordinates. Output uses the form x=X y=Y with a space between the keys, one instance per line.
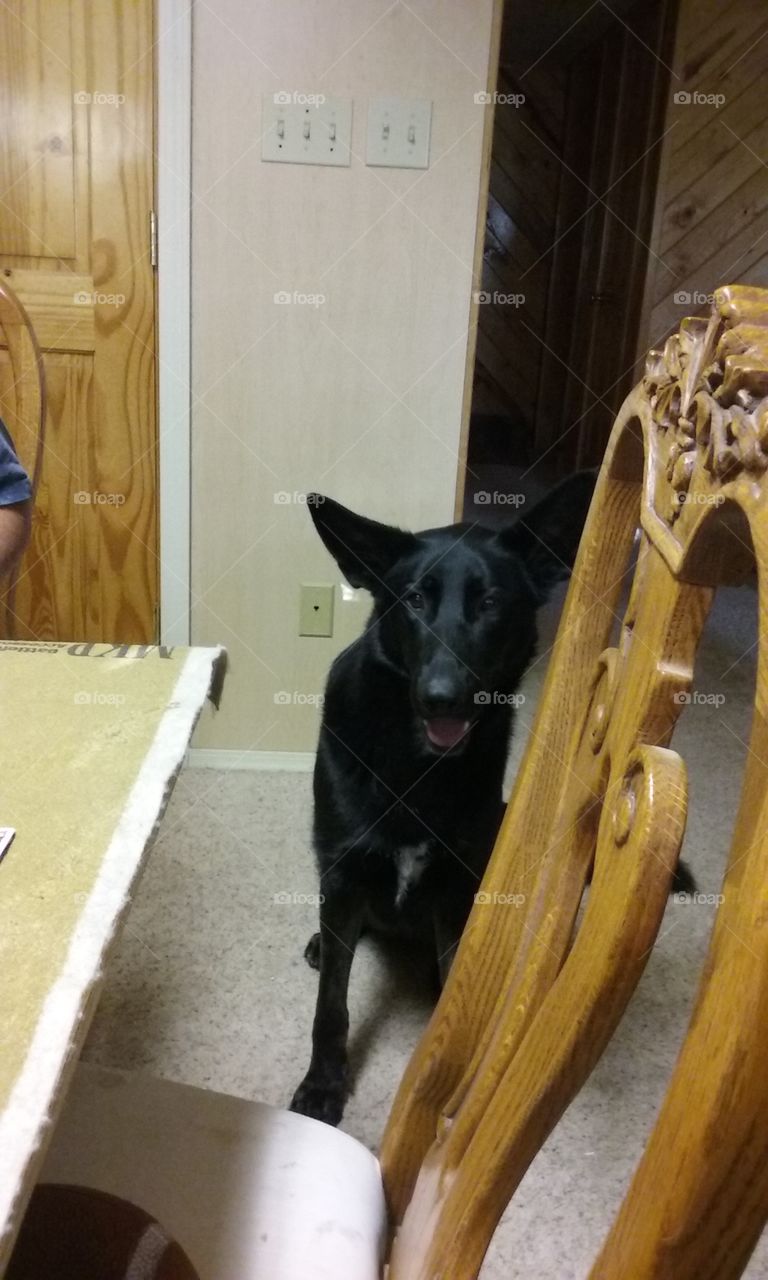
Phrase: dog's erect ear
x=547 y=537
x=364 y=550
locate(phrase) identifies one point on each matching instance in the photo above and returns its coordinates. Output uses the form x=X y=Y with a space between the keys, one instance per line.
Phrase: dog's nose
x=438 y=695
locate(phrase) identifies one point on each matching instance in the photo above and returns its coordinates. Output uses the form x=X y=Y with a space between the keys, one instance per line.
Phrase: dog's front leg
x=449 y=916
x=323 y=1091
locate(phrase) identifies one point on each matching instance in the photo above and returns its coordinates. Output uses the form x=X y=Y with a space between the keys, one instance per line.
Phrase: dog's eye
x=489 y=603
x=415 y=599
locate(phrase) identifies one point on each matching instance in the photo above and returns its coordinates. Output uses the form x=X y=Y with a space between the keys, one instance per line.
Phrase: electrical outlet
x=316 y=609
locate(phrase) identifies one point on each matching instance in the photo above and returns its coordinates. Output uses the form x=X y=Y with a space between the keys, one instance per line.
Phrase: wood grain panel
x=92 y=568
x=721 y=164
x=712 y=199
x=37 y=194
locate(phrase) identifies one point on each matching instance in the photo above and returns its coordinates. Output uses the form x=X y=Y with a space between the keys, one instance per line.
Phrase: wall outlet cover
x=316 y=609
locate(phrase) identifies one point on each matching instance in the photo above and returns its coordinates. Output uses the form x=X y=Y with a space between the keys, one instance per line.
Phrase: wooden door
x=76 y=191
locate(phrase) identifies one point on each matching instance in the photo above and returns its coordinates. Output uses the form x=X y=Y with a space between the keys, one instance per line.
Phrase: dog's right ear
x=364 y=549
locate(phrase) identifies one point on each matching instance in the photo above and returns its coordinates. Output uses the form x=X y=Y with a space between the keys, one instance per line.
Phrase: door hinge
x=152 y=238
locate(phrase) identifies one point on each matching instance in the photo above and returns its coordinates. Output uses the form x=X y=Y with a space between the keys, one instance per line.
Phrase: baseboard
x=213 y=758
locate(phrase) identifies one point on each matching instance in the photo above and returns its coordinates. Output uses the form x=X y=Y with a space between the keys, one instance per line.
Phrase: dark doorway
x=579 y=118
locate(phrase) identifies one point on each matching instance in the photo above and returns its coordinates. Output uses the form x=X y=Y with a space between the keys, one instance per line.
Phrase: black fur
x=452 y=631
x=404 y=825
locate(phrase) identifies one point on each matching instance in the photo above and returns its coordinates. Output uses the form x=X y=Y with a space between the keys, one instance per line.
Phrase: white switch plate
x=306 y=128
x=398 y=133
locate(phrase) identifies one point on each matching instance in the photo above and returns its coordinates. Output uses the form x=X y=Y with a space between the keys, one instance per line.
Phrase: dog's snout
x=439 y=694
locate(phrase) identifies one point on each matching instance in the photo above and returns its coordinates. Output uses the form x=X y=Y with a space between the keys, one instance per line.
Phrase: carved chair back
x=532 y=1001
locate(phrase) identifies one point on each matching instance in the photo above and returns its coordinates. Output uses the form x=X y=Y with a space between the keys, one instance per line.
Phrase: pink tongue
x=445 y=732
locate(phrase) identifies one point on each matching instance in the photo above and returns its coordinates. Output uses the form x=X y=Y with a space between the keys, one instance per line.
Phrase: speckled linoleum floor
x=208 y=984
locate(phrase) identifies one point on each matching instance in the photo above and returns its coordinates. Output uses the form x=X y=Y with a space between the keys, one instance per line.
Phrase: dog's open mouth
x=446 y=731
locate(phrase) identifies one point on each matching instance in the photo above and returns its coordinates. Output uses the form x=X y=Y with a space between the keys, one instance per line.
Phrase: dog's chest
x=410 y=861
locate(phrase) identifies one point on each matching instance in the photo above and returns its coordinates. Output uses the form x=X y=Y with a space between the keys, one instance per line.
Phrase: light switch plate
x=398 y=133
x=316 y=609
x=306 y=128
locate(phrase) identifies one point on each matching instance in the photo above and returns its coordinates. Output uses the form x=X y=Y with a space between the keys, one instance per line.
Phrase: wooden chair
x=22 y=407
x=534 y=997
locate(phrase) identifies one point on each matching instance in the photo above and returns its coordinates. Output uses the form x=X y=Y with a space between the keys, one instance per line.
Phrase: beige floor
x=209 y=986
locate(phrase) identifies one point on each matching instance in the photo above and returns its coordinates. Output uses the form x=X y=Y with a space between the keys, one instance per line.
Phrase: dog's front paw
x=320 y=1099
x=312 y=951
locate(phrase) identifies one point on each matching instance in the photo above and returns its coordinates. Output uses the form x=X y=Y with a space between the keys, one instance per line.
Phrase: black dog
x=414 y=737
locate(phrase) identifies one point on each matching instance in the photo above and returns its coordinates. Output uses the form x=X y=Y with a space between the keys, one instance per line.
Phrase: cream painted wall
x=359 y=397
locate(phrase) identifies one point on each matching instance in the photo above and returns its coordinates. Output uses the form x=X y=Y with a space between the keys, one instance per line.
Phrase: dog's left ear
x=364 y=549
x=547 y=537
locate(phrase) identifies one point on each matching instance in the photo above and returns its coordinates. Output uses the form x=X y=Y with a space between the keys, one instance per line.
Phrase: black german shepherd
x=414 y=737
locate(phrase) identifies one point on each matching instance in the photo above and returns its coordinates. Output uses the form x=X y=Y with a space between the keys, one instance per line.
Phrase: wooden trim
x=174 y=318
x=477 y=263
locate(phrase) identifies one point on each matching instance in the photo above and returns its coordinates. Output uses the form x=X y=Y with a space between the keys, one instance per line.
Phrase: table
x=91 y=739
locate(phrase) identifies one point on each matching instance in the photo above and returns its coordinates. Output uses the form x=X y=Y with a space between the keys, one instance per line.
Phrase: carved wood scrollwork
x=708 y=398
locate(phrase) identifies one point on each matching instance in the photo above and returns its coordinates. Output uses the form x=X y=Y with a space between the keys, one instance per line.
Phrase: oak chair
x=525 y=1015
x=22 y=409
x=533 y=997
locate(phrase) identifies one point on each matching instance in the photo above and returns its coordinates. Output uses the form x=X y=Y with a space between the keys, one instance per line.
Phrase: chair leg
x=699 y=1198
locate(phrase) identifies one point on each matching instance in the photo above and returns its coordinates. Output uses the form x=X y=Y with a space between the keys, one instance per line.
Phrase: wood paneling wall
x=710 y=221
